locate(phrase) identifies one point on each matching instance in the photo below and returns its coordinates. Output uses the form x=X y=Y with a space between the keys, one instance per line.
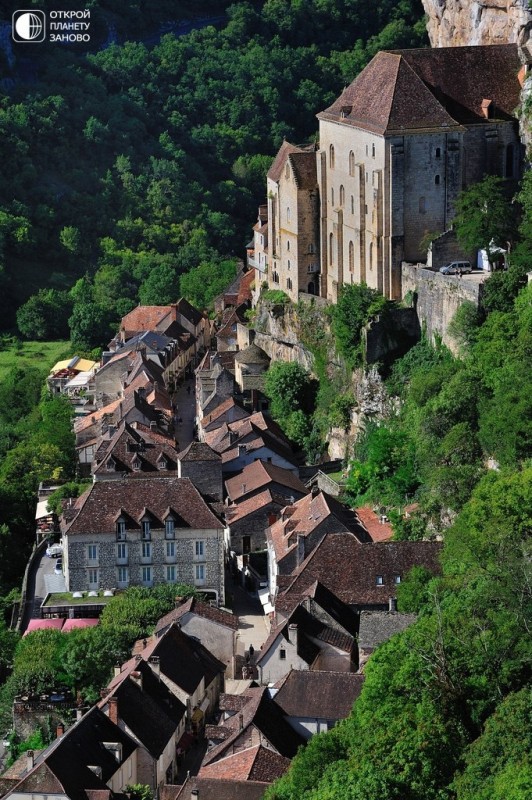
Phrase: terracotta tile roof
x=256 y=440
x=99 y=507
x=143 y=318
x=85 y=422
x=319 y=695
x=415 y=89
x=215 y=789
x=204 y=610
x=244 y=291
x=379 y=531
x=286 y=149
x=350 y=570
x=262 y=473
x=253 y=764
x=257 y=502
x=225 y=406
x=305 y=516
x=379 y=626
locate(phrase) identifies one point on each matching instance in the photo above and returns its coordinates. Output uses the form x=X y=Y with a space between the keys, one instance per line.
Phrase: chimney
x=487 y=108
x=315 y=490
x=112 y=712
x=79 y=714
x=137 y=677
x=117 y=670
x=155 y=663
x=153 y=426
x=392 y=604
x=59 y=730
x=300 y=549
x=292 y=634
x=194 y=794
x=30 y=762
x=243 y=489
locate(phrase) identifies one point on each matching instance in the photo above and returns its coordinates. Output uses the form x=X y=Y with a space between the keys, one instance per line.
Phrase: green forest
x=132 y=173
x=131 y=166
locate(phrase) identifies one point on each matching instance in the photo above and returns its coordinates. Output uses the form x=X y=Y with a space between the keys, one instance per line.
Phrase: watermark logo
x=29 y=26
x=64 y=27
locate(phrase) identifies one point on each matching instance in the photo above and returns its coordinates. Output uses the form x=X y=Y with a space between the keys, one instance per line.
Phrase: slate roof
x=253 y=764
x=261 y=712
x=189 y=311
x=429 y=88
x=253 y=354
x=318 y=695
x=183 y=660
x=349 y=569
x=262 y=473
x=201 y=609
x=198 y=451
x=151 y=713
x=63 y=768
x=99 y=507
x=130 y=445
x=379 y=626
x=304 y=168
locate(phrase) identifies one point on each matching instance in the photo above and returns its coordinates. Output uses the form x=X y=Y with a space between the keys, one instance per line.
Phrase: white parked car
x=54 y=550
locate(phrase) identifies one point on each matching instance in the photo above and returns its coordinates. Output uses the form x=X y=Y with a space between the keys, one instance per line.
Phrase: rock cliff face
x=455 y=23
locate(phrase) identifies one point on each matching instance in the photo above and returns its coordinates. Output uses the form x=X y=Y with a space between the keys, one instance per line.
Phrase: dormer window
x=120 y=530
x=146 y=530
x=162 y=462
x=136 y=464
x=110 y=465
x=169 y=528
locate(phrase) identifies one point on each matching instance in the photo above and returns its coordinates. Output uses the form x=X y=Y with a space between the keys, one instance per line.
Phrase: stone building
x=413 y=130
x=143 y=532
x=293 y=208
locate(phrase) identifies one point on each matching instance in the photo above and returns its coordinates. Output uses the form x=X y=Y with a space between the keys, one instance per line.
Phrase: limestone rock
x=456 y=23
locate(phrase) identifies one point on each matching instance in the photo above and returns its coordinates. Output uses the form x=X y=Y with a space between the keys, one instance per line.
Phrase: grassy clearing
x=36 y=354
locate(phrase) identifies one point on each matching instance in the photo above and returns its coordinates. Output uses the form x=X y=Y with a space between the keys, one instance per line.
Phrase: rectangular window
x=199 y=573
x=199 y=548
x=170 y=549
x=120 y=529
x=170 y=574
x=379 y=580
x=146 y=533
x=282 y=654
x=397 y=579
x=123 y=576
x=169 y=528
x=92 y=552
x=93 y=578
x=121 y=551
x=146 y=576
x=146 y=549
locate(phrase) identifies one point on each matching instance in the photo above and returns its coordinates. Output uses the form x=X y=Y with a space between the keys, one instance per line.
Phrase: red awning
x=71 y=624
x=41 y=624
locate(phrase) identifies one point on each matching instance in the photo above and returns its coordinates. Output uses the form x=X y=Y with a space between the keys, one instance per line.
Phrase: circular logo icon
x=28 y=26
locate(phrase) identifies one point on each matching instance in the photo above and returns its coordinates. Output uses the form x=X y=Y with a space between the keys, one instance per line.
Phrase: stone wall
x=456 y=23
x=438 y=297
